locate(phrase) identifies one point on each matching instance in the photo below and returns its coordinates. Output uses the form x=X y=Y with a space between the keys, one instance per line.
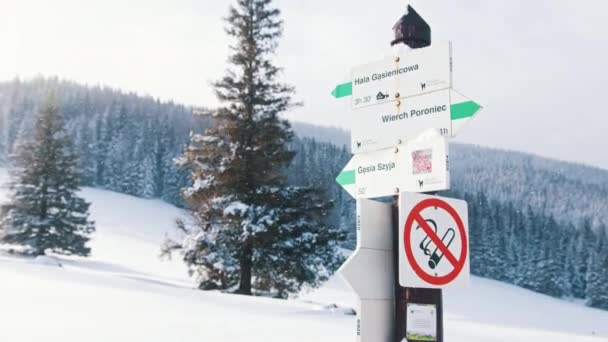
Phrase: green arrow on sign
x=464 y=109
x=346 y=177
x=342 y=90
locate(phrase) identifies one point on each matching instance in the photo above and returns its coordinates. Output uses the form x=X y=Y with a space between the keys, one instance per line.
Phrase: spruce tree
x=254 y=232
x=45 y=214
x=596 y=292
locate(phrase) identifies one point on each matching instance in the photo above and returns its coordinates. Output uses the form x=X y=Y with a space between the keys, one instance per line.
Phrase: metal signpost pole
x=414 y=32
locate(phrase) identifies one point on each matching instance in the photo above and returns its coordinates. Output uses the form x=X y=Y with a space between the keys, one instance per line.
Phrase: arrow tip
x=477 y=106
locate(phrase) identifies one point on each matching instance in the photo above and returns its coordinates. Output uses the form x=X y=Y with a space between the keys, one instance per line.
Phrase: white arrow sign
x=418 y=165
x=433 y=241
x=385 y=125
x=370 y=272
x=408 y=74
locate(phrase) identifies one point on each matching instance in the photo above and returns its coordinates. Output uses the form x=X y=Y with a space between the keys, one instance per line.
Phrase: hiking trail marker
x=385 y=125
x=418 y=165
x=433 y=241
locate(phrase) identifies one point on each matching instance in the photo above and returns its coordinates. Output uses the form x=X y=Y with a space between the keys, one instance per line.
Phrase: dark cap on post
x=412 y=30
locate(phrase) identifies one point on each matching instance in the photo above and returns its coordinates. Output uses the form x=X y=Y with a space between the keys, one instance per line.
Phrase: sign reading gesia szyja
x=417 y=165
x=409 y=74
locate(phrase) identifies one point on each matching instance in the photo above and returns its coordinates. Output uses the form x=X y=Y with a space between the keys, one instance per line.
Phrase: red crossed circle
x=415 y=216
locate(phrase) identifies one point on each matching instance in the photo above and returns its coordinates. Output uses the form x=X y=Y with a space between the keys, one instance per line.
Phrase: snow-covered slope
x=125 y=293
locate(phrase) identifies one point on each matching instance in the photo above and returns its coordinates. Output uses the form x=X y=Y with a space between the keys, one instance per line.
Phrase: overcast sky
x=539 y=67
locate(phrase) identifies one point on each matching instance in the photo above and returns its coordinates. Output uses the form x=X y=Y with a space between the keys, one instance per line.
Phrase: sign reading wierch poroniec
x=387 y=124
x=433 y=241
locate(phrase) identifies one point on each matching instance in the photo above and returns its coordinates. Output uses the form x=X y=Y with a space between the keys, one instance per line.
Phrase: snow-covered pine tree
x=596 y=292
x=44 y=213
x=583 y=239
x=254 y=232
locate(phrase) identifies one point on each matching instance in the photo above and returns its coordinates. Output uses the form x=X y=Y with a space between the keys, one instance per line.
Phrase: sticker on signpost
x=434 y=247
x=421 y=322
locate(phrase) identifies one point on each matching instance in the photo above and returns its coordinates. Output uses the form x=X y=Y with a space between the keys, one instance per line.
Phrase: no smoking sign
x=433 y=241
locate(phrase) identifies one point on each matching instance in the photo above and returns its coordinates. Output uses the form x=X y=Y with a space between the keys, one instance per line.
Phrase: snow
x=235 y=208
x=124 y=292
x=47 y=260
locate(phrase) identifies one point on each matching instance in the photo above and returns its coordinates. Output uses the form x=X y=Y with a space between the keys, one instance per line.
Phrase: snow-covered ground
x=124 y=292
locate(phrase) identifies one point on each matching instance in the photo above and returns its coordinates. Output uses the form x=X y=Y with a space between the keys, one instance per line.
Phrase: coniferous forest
x=534 y=222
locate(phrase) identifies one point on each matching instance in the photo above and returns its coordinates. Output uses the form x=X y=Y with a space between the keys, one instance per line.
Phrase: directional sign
x=370 y=272
x=433 y=239
x=387 y=124
x=400 y=76
x=419 y=165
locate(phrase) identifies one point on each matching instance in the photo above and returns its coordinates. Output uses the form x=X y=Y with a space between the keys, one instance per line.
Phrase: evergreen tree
x=597 y=272
x=597 y=282
x=45 y=214
x=254 y=232
x=584 y=239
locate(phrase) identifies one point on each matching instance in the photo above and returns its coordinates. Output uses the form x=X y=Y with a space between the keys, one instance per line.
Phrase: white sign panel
x=419 y=165
x=433 y=241
x=408 y=74
x=385 y=125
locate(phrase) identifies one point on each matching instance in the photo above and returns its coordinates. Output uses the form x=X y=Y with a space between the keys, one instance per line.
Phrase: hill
x=536 y=223
x=569 y=192
x=124 y=292
x=127 y=143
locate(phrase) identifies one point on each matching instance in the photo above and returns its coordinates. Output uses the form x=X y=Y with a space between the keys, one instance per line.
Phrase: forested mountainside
x=534 y=222
x=125 y=142
x=128 y=143
x=567 y=191
x=334 y=135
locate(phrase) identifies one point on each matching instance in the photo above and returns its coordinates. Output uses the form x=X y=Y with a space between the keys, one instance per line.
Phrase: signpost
x=403 y=110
